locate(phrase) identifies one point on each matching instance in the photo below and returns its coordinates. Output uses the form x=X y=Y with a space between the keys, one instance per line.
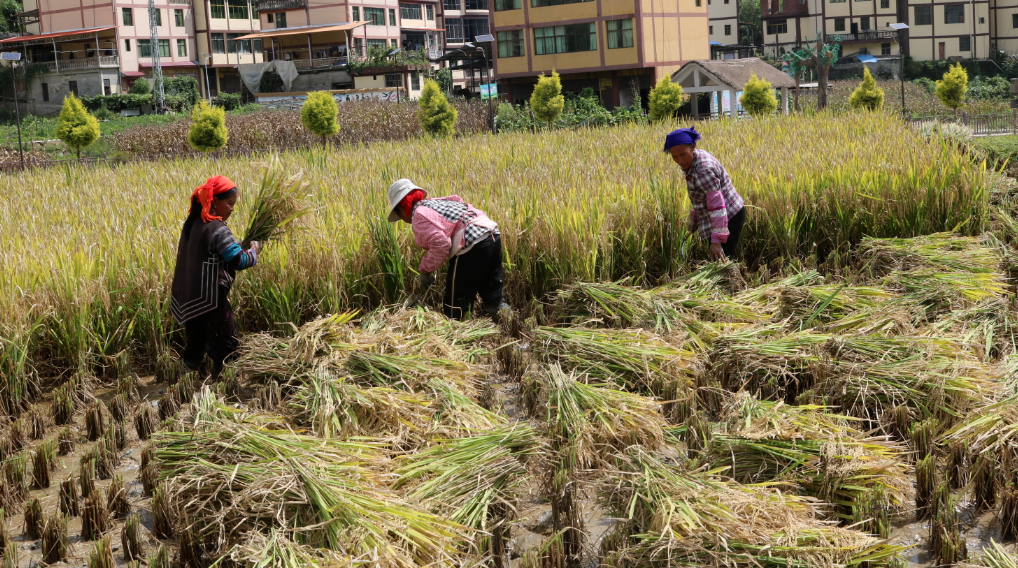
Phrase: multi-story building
x=723 y=26
x=94 y=48
x=615 y=47
x=938 y=29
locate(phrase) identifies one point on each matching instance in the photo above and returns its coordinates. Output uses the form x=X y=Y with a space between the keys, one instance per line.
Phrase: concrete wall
x=323 y=81
x=90 y=84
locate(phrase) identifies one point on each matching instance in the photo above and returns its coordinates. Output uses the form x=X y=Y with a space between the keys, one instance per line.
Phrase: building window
x=864 y=23
x=392 y=81
x=452 y=5
x=72 y=86
x=864 y=50
x=376 y=43
x=144 y=48
x=539 y=3
x=182 y=47
x=281 y=20
x=923 y=15
x=164 y=48
x=268 y=18
x=106 y=87
x=410 y=11
x=777 y=27
x=238 y=9
x=218 y=9
x=1014 y=20
x=885 y=4
x=356 y=14
x=502 y=5
x=128 y=15
x=374 y=16
x=392 y=16
x=415 y=81
x=45 y=92
x=430 y=12
x=620 y=33
x=159 y=18
x=510 y=44
x=982 y=20
x=885 y=49
x=839 y=24
x=234 y=46
x=565 y=39
x=728 y=29
x=127 y=45
x=836 y=1
x=477 y=4
x=965 y=43
x=178 y=17
x=710 y=30
x=218 y=43
x=458 y=30
x=697 y=3
x=954 y=13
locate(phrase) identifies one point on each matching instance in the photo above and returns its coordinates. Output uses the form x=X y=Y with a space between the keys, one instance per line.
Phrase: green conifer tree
x=208 y=128
x=547 y=101
x=319 y=114
x=438 y=117
x=76 y=127
x=758 y=97
x=867 y=96
x=665 y=99
x=952 y=88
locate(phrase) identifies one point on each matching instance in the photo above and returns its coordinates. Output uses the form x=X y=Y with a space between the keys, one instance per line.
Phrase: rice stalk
x=276 y=550
x=6 y=540
x=67 y=442
x=68 y=501
x=41 y=466
x=95 y=516
x=945 y=252
x=958 y=469
x=36 y=425
x=101 y=555
x=276 y=204
x=63 y=404
x=456 y=415
x=127 y=387
x=33 y=520
x=117 y=408
x=995 y=556
x=922 y=436
x=55 y=540
x=97 y=418
x=168 y=369
x=926 y=486
x=15 y=488
x=163 y=516
x=410 y=372
x=145 y=422
x=130 y=539
x=10 y=556
x=946 y=539
x=161 y=559
x=116 y=498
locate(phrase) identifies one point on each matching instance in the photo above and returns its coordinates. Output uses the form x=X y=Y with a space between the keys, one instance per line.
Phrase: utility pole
x=157 y=67
x=14 y=57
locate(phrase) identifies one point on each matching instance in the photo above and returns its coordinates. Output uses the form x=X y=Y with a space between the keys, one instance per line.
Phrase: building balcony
x=278 y=5
x=102 y=61
x=867 y=36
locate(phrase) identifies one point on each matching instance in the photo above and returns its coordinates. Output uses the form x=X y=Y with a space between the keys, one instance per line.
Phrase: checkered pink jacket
x=446 y=227
x=713 y=197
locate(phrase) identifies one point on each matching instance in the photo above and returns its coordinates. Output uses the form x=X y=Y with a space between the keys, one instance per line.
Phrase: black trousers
x=477 y=271
x=734 y=230
x=214 y=333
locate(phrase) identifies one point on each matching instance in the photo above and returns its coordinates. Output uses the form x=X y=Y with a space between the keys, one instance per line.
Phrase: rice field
x=643 y=408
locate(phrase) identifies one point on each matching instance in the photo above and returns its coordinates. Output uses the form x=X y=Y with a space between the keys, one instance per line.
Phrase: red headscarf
x=407 y=203
x=204 y=194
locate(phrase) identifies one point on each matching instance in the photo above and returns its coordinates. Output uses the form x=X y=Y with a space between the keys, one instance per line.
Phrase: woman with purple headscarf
x=718 y=213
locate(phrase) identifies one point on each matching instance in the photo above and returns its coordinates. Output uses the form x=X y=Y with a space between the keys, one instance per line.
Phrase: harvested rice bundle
x=720 y=279
x=757 y=419
x=681 y=517
x=276 y=550
x=335 y=408
x=463 y=479
x=763 y=361
x=991 y=430
x=946 y=291
x=264 y=356
x=991 y=326
x=806 y=307
x=412 y=323
x=631 y=358
x=411 y=372
x=229 y=478
x=765 y=297
x=942 y=252
x=276 y=205
x=591 y=422
x=321 y=336
x=456 y=415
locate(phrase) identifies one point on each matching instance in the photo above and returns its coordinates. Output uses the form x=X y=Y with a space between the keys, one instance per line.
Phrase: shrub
x=77 y=128
x=141 y=87
x=438 y=117
x=989 y=89
x=227 y=101
x=926 y=83
x=758 y=97
x=319 y=113
x=208 y=128
x=183 y=91
x=867 y=96
x=958 y=133
x=665 y=99
x=547 y=100
x=952 y=88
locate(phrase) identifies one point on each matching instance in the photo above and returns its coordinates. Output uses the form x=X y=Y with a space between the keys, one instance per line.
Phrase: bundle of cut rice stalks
x=941 y=292
x=456 y=415
x=939 y=252
x=991 y=430
x=464 y=479
x=993 y=556
x=845 y=308
x=679 y=517
x=821 y=453
x=234 y=477
x=765 y=297
x=422 y=324
x=277 y=550
x=278 y=203
x=591 y=422
x=411 y=372
x=636 y=360
x=990 y=326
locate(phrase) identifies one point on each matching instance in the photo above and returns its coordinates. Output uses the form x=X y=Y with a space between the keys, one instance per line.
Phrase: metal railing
x=320 y=62
x=868 y=36
x=981 y=124
x=87 y=63
x=263 y=5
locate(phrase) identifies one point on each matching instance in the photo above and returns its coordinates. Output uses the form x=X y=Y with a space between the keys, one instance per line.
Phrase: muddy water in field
x=980 y=529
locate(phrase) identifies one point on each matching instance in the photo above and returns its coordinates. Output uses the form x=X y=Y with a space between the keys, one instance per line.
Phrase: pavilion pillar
x=694 y=99
x=734 y=106
x=784 y=100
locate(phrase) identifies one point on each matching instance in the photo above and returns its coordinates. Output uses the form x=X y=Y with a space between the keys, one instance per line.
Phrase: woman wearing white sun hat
x=449 y=229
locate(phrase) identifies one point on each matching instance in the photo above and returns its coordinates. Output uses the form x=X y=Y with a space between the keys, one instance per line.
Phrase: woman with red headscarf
x=208 y=258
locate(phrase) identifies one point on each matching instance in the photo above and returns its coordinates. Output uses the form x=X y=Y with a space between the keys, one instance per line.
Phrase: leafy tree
x=798 y=61
x=952 y=88
x=140 y=87
x=319 y=114
x=76 y=127
x=665 y=99
x=438 y=117
x=8 y=22
x=820 y=54
x=749 y=23
x=208 y=128
x=758 y=97
x=867 y=95
x=444 y=78
x=547 y=100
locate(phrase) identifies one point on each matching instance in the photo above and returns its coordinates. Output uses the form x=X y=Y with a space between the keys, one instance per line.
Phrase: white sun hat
x=397 y=191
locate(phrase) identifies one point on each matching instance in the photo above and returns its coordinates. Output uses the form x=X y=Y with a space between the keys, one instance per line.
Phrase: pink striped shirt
x=712 y=195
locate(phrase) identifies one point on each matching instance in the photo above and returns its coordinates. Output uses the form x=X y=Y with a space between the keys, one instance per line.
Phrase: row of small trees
x=951 y=90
